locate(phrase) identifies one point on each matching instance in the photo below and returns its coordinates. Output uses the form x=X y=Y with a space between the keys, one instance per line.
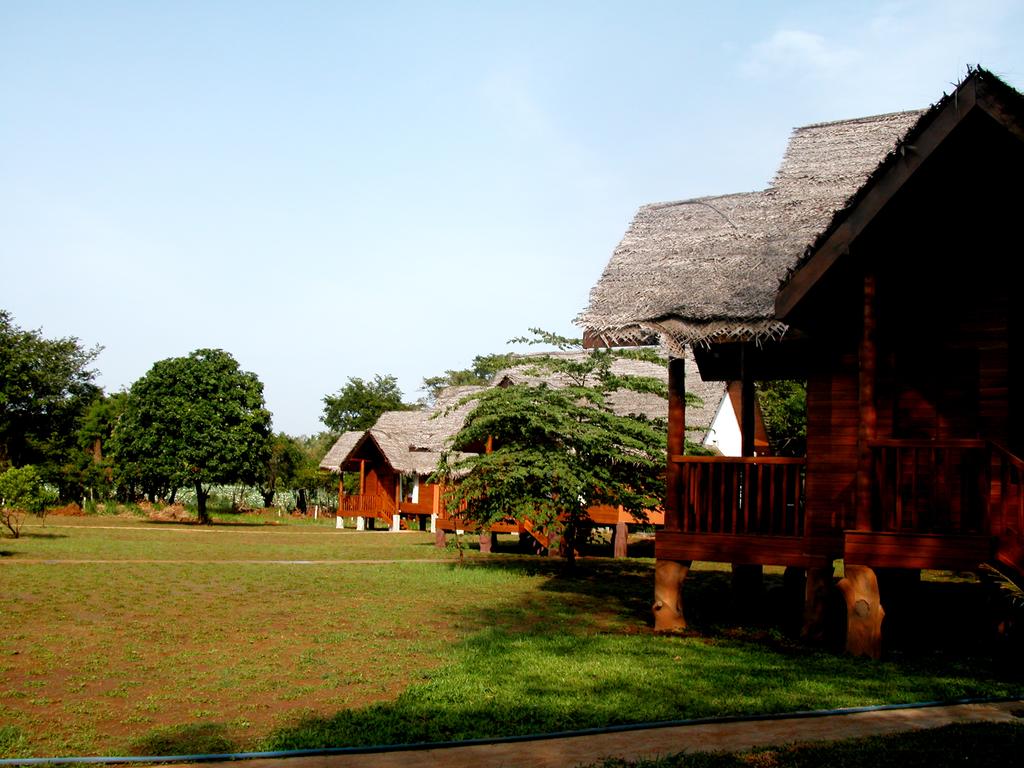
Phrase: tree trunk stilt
x=864 y=612
x=668 y=594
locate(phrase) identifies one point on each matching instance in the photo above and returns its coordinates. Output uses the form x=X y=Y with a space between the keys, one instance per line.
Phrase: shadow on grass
x=192 y=739
x=34 y=535
x=578 y=653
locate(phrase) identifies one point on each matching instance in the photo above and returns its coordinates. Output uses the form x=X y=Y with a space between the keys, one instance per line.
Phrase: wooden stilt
x=816 y=595
x=864 y=612
x=620 y=540
x=668 y=594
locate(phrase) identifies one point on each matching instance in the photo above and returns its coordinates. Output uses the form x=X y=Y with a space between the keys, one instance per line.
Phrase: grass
x=984 y=745
x=186 y=639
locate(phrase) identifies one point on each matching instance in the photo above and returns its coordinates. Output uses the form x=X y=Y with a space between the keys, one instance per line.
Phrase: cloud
x=794 y=51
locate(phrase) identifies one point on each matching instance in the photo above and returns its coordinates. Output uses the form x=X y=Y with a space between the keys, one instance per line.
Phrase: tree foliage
x=285 y=459
x=45 y=387
x=784 y=410
x=357 y=405
x=193 y=421
x=557 y=450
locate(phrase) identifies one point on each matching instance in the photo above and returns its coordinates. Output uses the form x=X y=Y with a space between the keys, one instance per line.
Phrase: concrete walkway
x=637 y=744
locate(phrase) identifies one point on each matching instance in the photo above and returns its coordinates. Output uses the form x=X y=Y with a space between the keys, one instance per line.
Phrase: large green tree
x=194 y=421
x=557 y=450
x=357 y=405
x=285 y=459
x=45 y=387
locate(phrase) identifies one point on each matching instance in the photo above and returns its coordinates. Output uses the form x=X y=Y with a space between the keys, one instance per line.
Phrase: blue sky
x=329 y=189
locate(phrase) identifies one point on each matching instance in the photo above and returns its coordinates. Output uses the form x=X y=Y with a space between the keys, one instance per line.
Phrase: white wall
x=725 y=430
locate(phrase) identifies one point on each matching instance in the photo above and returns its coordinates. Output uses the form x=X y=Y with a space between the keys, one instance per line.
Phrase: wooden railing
x=1007 y=510
x=930 y=486
x=368 y=506
x=760 y=496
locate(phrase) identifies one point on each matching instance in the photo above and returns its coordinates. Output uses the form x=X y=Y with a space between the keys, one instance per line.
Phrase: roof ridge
x=699 y=200
x=862 y=119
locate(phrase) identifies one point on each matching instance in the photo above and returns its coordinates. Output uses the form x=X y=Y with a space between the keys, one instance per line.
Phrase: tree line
x=191 y=422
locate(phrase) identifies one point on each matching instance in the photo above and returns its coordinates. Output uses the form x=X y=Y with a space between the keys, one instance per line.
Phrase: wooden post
x=669 y=574
x=620 y=540
x=341 y=491
x=676 y=440
x=816 y=592
x=867 y=417
x=864 y=612
x=362 y=481
x=746 y=403
x=668 y=594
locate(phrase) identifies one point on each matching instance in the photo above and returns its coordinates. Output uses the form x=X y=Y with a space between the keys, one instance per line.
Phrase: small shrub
x=22 y=490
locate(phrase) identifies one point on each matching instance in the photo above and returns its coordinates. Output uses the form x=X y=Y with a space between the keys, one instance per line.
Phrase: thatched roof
x=979 y=84
x=340 y=451
x=412 y=441
x=627 y=402
x=707 y=269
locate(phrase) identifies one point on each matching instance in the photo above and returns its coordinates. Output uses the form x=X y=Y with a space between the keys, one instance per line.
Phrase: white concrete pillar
x=459 y=532
x=396 y=523
x=360 y=523
x=339 y=522
x=433 y=523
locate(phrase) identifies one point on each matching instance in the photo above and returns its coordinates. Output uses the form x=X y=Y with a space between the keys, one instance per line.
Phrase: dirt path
x=647 y=743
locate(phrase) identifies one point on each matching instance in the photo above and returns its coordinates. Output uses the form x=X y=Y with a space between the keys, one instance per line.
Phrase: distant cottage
x=395 y=457
x=879 y=267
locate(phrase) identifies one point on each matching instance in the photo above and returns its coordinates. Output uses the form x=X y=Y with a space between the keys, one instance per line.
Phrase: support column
x=396 y=523
x=670 y=574
x=339 y=522
x=867 y=412
x=816 y=592
x=864 y=612
x=341 y=492
x=746 y=403
x=668 y=594
x=360 y=523
x=433 y=523
x=676 y=440
x=620 y=540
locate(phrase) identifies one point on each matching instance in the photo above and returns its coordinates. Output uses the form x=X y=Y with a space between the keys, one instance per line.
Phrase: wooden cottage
x=877 y=268
x=394 y=460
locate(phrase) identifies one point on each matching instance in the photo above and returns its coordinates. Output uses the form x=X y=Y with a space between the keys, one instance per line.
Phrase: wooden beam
x=746 y=405
x=867 y=411
x=881 y=191
x=676 y=440
x=362 y=480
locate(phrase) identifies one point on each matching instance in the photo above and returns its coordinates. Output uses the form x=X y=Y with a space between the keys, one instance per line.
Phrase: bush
x=22 y=490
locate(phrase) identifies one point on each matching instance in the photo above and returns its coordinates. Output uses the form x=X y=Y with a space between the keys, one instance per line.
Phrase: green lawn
x=178 y=638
